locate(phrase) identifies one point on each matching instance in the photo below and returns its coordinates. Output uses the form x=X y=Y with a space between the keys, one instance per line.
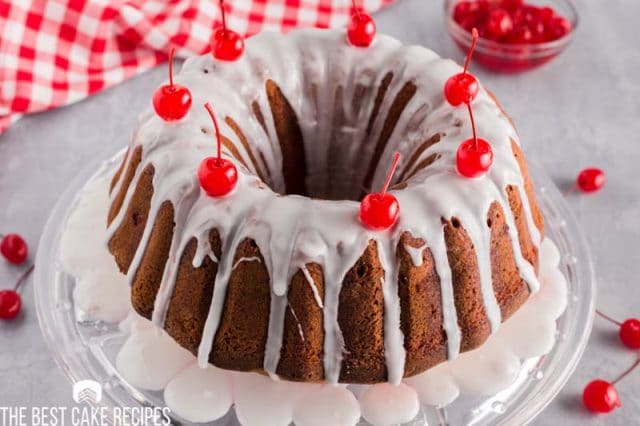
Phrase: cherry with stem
x=629 y=330
x=172 y=101
x=380 y=210
x=600 y=396
x=217 y=176
x=226 y=44
x=463 y=88
x=361 y=30
x=475 y=155
x=10 y=300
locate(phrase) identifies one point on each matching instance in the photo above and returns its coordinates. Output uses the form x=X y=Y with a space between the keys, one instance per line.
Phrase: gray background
x=580 y=110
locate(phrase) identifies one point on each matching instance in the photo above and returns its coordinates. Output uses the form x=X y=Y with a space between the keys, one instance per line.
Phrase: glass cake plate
x=87 y=349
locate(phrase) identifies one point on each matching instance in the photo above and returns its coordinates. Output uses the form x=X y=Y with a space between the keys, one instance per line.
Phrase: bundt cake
x=280 y=276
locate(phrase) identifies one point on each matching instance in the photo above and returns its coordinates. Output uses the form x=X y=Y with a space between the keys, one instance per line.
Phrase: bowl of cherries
x=515 y=35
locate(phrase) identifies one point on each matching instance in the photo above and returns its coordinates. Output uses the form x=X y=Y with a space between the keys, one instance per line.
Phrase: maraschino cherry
x=499 y=23
x=463 y=87
x=591 y=179
x=380 y=210
x=14 y=248
x=629 y=330
x=226 y=44
x=10 y=300
x=217 y=176
x=362 y=28
x=600 y=396
x=474 y=156
x=172 y=101
x=630 y=333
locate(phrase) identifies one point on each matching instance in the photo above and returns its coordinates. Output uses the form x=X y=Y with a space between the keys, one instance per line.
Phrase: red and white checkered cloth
x=54 y=52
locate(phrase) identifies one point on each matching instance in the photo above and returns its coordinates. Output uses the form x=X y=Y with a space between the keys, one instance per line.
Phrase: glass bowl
x=513 y=58
x=87 y=349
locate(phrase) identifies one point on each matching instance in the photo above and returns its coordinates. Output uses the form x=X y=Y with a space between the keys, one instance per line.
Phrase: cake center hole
x=337 y=161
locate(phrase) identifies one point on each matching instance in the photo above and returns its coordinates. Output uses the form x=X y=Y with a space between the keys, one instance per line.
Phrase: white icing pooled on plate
x=261 y=401
x=384 y=404
x=329 y=405
x=79 y=254
x=292 y=231
x=143 y=365
x=200 y=395
x=151 y=360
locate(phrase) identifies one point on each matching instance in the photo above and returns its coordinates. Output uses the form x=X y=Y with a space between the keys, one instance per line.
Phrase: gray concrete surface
x=580 y=110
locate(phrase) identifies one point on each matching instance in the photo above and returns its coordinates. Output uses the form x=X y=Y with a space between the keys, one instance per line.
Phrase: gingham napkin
x=54 y=52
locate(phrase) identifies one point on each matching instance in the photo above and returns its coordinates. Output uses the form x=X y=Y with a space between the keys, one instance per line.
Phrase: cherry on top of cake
x=217 y=176
x=226 y=44
x=172 y=101
x=361 y=30
x=474 y=156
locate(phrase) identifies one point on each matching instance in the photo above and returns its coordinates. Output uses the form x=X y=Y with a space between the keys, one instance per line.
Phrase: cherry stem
x=23 y=277
x=474 y=40
x=396 y=159
x=608 y=318
x=627 y=371
x=171 y=53
x=355 y=8
x=215 y=124
x=224 y=20
x=473 y=126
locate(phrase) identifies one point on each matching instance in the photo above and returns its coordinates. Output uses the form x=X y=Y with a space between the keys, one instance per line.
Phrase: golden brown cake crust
x=124 y=242
x=133 y=164
x=361 y=319
x=302 y=351
x=147 y=278
x=242 y=334
x=191 y=298
x=421 y=315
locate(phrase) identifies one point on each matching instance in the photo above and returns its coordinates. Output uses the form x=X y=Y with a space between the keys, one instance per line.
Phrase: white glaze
x=385 y=404
x=261 y=401
x=200 y=395
x=143 y=365
x=79 y=253
x=415 y=253
x=287 y=235
x=245 y=259
x=329 y=405
x=150 y=359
